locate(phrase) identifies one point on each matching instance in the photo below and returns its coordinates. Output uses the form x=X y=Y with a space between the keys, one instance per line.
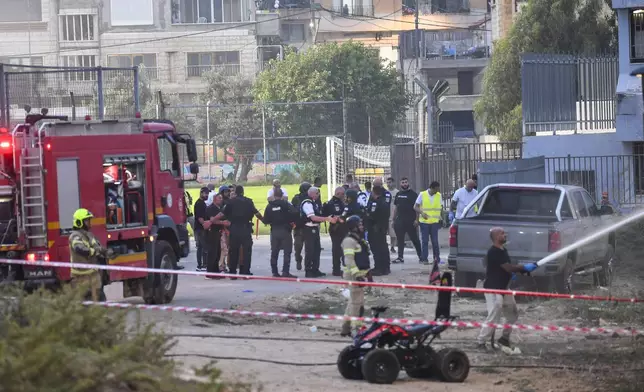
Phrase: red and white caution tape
x=58 y=264
x=399 y=321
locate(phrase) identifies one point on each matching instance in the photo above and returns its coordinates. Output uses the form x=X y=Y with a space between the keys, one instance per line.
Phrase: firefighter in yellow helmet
x=84 y=248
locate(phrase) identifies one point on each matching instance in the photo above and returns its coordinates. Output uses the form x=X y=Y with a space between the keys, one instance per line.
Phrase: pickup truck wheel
x=604 y=276
x=465 y=279
x=563 y=283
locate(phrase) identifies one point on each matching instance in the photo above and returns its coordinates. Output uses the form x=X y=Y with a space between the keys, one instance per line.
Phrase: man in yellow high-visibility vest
x=429 y=207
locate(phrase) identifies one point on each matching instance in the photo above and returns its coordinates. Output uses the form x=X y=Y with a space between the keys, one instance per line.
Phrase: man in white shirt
x=462 y=198
x=312 y=248
x=211 y=194
x=276 y=185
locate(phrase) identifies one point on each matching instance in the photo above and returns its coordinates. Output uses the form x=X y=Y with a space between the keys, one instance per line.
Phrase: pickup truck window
x=590 y=204
x=580 y=205
x=566 y=211
x=525 y=202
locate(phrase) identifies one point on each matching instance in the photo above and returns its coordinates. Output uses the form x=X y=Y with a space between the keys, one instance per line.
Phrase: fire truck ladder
x=32 y=188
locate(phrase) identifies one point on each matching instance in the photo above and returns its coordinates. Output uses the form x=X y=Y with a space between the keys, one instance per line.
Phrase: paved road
x=200 y=292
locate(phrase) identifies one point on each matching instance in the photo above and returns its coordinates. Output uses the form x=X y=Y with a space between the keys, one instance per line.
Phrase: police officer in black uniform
x=337 y=232
x=406 y=219
x=309 y=210
x=239 y=211
x=386 y=194
x=280 y=214
x=351 y=206
x=378 y=223
x=298 y=232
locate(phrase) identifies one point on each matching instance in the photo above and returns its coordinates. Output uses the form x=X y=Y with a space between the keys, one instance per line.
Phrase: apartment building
x=176 y=40
x=502 y=15
x=456 y=51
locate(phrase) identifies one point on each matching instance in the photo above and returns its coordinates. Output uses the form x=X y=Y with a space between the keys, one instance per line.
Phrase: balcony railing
x=355 y=10
x=196 y=71
x=269 y=5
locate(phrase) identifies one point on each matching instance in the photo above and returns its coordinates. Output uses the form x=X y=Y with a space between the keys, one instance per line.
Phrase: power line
x=467 y=26
x=165 y=38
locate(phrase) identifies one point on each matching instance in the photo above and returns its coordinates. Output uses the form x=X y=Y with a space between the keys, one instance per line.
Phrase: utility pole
x=417 y=36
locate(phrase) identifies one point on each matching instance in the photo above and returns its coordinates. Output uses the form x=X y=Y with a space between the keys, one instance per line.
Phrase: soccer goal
x=364 y=161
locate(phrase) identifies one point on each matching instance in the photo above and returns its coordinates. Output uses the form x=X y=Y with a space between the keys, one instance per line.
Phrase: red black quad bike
x=379 y=352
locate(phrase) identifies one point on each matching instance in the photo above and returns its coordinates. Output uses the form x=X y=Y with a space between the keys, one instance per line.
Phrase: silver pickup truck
x=539 y=219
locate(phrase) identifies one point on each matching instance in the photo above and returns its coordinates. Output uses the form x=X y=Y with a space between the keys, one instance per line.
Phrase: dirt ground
x=244 y=346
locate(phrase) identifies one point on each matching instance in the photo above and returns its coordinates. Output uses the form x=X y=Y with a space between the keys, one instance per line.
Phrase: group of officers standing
x=223 y=226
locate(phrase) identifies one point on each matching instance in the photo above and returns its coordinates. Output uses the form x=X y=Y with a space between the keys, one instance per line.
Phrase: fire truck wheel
x=165 y=286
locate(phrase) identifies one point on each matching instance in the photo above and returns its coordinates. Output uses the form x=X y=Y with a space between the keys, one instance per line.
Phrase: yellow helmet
x=79 y=216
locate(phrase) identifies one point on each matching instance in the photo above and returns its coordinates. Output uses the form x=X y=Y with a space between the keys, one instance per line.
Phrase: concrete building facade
x=175 y=40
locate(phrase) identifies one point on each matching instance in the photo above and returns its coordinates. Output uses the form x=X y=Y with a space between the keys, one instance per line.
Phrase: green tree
x=234 y=118
x=331 y=72
x=543 y=26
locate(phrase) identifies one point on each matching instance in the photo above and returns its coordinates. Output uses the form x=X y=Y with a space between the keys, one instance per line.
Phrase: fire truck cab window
x=168 y=156
x=124 y=192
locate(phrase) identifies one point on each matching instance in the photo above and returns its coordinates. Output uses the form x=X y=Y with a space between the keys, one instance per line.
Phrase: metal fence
x=76 y=92
x=258 y=141
x=451 y=164
x=622 y=176
x=568 y=94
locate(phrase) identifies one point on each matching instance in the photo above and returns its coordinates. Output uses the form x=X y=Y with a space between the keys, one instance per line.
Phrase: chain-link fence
x=261 y=141
x=76 y=92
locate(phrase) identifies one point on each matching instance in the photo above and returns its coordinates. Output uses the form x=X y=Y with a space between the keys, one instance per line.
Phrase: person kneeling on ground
x=499 y=271
x=356 y=258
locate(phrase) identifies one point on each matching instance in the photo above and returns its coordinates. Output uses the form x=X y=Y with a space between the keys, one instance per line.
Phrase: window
x=77 y=28
x=525 y=202
x=124 y=184
x=131 y=13
x=68 y=191
x=21 y=11
x=580 y=205
x=206 y=11
x=149 y=61
x=225 y=62
x=293 y=32
x=166 y=156
x=80 y=61
x=590 y=204
x=352 y=7
x=636 y=21
x=566 y=211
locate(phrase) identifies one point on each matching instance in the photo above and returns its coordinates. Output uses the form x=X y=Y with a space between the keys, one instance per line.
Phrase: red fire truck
x=128 y=173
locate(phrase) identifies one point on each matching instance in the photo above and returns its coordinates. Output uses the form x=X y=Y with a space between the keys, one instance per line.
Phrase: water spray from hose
x=601 y=233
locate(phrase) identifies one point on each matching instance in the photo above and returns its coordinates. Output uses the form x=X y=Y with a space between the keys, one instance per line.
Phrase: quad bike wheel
x=380 y=366
x=453 y=365
x=349 y=363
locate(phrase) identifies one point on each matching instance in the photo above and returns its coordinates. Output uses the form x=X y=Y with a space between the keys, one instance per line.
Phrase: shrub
x=51 y=342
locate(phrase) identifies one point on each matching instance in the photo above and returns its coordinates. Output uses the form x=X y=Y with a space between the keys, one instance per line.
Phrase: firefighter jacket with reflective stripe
x=356 y=257
x=84 y=248
x=432 y=208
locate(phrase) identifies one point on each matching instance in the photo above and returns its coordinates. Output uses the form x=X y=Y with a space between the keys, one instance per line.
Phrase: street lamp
x=208 y=136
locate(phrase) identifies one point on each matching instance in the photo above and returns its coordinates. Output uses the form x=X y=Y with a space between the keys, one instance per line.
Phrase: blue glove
x=530 y=267
x=450 y=216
